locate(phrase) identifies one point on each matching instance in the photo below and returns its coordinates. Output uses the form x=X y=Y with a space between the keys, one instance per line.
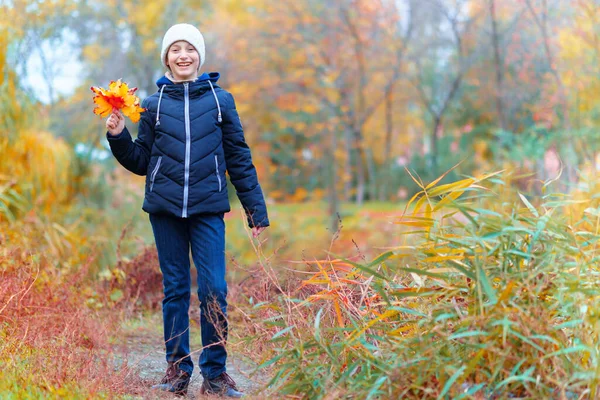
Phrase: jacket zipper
x=186 y=177
x=217 y=170
x=154 y=172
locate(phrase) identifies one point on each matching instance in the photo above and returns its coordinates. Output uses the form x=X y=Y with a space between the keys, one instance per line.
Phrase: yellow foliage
x=95 y=52
x=42 y=165
x=25 y=14
x=147 y=24
x=3 y=47
x=583 y=200
x=149 y=46
x=579 y=45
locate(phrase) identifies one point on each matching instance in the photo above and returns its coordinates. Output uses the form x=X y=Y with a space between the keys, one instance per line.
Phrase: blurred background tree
x=337 y=99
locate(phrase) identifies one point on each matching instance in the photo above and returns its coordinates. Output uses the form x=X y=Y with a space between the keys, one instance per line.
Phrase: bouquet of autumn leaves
x=118 y=96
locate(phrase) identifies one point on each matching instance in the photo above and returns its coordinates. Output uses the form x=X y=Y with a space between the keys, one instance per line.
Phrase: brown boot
x=222 y=385
x=175 y=381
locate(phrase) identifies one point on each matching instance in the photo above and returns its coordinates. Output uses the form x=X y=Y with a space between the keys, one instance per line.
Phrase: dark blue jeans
x=205 y=235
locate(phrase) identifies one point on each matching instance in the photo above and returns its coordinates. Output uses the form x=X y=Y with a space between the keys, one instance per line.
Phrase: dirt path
x=143 y=349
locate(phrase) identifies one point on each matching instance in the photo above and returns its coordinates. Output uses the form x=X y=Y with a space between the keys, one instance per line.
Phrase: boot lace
x=227 y=380
x=171 y=374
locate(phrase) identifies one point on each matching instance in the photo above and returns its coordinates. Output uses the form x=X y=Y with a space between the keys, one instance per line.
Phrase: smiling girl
x=188 y=137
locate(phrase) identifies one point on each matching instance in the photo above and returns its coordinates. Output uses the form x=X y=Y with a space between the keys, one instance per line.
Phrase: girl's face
x=183 y=60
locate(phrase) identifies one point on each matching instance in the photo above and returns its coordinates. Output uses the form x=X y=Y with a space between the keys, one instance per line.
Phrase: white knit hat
x=186 y=32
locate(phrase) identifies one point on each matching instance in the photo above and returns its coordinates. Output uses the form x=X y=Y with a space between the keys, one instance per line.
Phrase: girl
x=189 y=135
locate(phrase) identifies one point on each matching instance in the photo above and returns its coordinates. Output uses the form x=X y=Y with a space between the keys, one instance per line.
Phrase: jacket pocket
x=154 y=172
x=217 y=172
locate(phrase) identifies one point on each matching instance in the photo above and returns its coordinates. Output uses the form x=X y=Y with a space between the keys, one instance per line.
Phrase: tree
x=343 y=59
x=441 y=66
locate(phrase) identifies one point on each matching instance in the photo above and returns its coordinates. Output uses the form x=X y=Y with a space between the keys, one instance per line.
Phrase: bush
x=491 y=295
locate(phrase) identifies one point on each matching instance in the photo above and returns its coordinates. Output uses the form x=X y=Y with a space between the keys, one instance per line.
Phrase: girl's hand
x=257 y=230
x=115 y=123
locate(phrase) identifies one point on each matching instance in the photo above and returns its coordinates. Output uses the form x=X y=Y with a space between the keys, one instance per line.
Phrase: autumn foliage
x=120 y=97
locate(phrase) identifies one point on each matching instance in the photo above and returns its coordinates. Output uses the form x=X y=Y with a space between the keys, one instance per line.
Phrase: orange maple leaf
x=118 y=96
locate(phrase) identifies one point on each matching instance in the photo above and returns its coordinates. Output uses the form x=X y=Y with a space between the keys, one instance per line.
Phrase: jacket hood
x=211 y=76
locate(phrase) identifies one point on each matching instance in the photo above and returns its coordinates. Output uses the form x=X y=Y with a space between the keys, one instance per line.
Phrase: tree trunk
x=498 y=67
x=542 y=24
x=360 y=176
x=333 y=201
x=434 y=146
x=389 y=126
x=48 y=73
x=359 y=56
x=371 y=174
x=347 y=165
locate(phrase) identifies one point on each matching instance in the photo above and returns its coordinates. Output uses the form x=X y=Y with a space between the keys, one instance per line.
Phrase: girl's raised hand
x=115 y=123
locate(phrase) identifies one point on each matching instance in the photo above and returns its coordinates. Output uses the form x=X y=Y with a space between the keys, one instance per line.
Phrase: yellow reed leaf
x=324 y=296
x=506 y=292
x=443 y=258
x=324 y=272
x=422 y=222
x=402 y=329
x=313 y=281
x=419 y=204
x=418 y=182
x=444 y=250
x=435 y=182
x=338 y=313
x=411 y=201
x=350 y=281
x=449 y=187
x=447 y=199
x=382 y=317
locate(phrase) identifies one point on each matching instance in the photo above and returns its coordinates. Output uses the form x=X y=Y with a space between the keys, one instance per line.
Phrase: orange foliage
x=117 y=97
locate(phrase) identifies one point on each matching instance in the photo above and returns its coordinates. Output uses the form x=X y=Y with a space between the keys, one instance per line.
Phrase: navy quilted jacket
x=189 y=135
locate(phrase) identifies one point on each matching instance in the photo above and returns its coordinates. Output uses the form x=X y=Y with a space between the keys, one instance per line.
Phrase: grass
x=51 y=346
x=56 y=313
x=302 y=231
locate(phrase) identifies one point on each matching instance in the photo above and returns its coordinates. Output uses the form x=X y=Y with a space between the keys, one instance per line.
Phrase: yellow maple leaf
x=118 y=96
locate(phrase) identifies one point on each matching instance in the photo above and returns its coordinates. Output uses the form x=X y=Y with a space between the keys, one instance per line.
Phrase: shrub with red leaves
x=136 y=285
